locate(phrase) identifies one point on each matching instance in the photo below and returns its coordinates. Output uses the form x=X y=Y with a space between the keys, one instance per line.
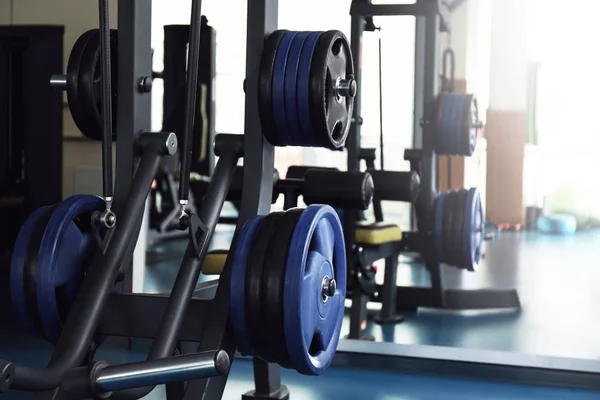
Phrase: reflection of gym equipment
x=449 y=226
x=30 y=127
x=71 y=257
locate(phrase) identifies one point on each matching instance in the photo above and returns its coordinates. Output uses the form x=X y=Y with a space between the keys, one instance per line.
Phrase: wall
x=507 y=126
x=5 y=11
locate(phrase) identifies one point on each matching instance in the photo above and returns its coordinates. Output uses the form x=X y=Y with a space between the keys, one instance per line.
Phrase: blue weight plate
x=451 y=132
x=460 y=134
x=278 y=91
x=303 y=88
x=237 y=288
x=312 y=323
x=17 y=270
x=64 y=250
x=441 y=124
x=446 y=127
x=473 y=229
x=438 y=225
x=291 y=89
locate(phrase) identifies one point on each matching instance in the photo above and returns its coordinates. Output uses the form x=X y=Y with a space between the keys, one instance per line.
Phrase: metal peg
x=58 y=82
x=329 y=287
x=345 y=88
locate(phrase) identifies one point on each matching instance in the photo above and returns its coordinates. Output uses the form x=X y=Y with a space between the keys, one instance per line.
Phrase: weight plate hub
x=49 y=261
x=458 y=228
x=288 y=286
x=306 y=89
x=84 y=83
x=457 y=124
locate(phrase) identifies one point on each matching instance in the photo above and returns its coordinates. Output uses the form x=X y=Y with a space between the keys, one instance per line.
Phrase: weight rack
x=205 y=319
x=432 y=17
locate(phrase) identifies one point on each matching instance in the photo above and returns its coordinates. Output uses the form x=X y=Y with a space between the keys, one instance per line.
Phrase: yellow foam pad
x=374 y=233
x=214 y=262
x=194 y=176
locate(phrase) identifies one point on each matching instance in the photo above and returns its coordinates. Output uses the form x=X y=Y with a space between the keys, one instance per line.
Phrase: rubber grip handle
x=347 y=190
x=396 y=185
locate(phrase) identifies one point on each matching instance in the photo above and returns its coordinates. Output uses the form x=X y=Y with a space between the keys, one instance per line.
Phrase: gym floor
x=558 y=318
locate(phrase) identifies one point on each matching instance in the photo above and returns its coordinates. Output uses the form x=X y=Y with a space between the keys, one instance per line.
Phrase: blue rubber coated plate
x=442 y=130
x=453 y=137
x=438 y=224
x=61 y=265
x=17 y=266
x=303 y=88
x=237 y=290
x=312 y=322
x=278 y=91
x=453 y=120
x=460 y=134
x=291 y=95
x=473 y=229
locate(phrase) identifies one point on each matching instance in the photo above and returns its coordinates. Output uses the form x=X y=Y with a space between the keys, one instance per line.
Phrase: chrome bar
x=58 y=82
x=165 y=370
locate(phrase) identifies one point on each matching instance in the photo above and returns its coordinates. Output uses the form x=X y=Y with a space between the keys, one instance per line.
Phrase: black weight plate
x=30 y=265
x=265 y=86
x=447 y=226
x=90 y=84
x=254 y=278
x=458 y=222
x=272 y=289
x=73 y=88
x=330 y=116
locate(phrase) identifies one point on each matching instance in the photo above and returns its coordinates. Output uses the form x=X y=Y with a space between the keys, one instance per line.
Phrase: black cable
x=380 y=103
x=104 y=32
x=190 y=101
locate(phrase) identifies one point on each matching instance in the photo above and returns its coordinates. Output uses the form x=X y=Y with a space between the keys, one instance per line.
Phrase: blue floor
x=556 y=279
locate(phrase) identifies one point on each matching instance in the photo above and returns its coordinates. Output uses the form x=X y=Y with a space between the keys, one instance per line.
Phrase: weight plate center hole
x=337 y=131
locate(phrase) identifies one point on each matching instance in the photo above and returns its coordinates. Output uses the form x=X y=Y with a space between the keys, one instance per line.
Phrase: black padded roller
x=235 y=190
x=396 y=185
x=298 y=171
x=350 y=190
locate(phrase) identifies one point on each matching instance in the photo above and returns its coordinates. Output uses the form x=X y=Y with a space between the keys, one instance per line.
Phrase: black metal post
x=135 y=62
x=256 y=196
x=357 y=28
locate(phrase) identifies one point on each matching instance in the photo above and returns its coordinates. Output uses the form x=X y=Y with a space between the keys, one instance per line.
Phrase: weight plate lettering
x=312 y=319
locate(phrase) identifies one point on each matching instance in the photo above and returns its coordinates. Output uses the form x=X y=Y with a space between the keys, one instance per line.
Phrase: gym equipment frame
x=204 y=319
